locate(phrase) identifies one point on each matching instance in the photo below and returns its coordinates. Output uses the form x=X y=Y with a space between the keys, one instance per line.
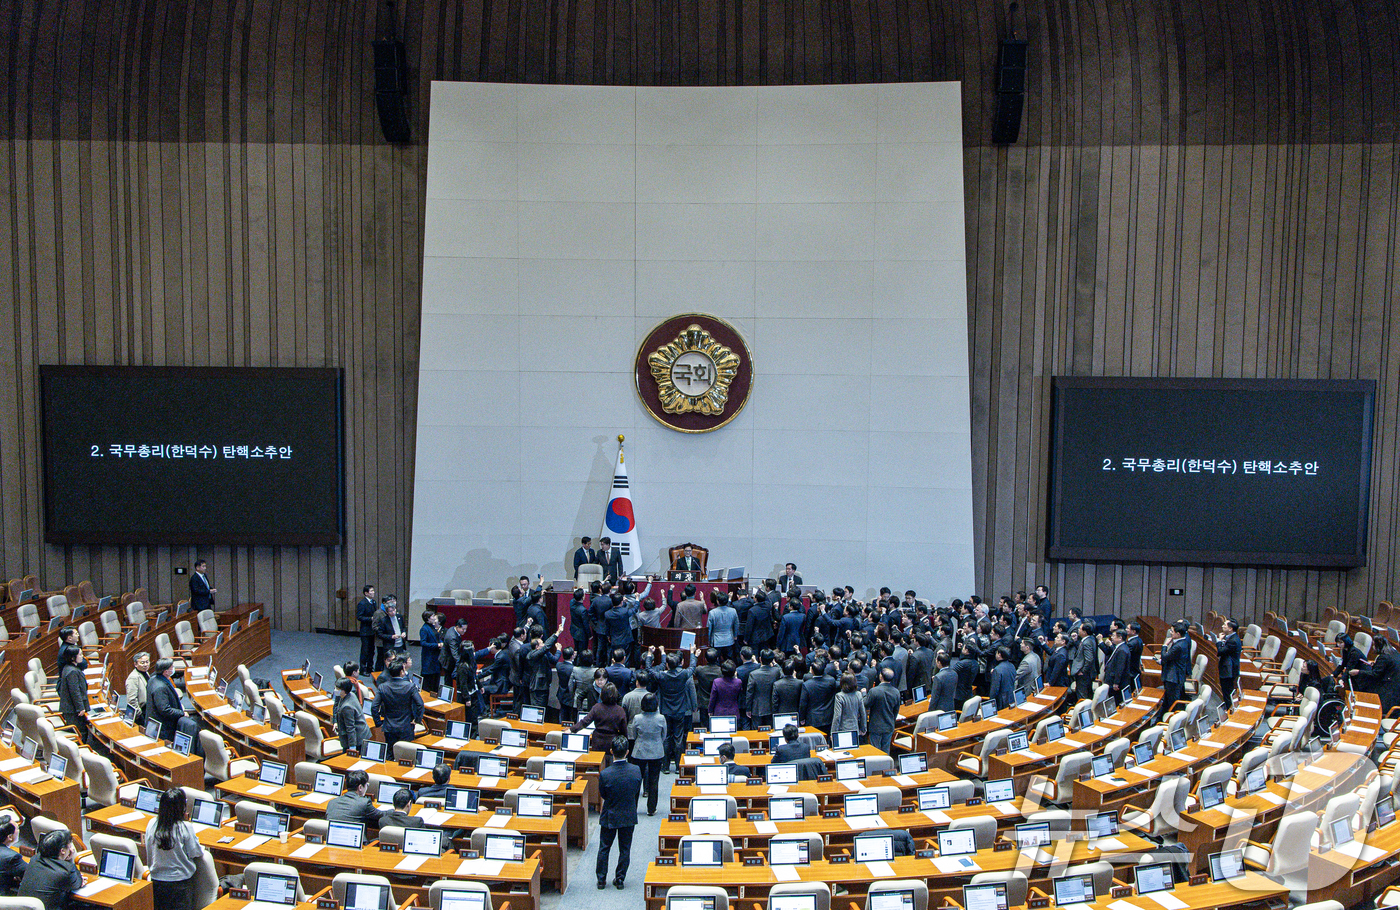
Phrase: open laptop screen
x=783 y=852
x=874 y=848
x=1074 y=889
x=1152 y=877
x=985 y=897
x=276 y=889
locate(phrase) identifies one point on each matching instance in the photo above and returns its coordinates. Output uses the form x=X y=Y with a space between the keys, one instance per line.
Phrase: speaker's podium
x=690 y=566
x=688 y=562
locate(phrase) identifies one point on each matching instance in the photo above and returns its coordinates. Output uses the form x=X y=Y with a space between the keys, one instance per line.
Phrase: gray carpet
x=289 y=649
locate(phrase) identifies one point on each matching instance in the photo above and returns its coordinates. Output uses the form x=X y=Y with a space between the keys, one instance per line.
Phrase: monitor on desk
x=153 y=729
x=988 y=709
x=985 y=897
x=375 y=750
x=873 y=848
x=328 y=783
x=709 y=809
x=1074 y=889
x=349 y=835
x=1255 y=779
x=724 y=723
x=919 y=694
x=913 y=763
x=1341 y=833
x=316 y=680
x=531 y=714
x=422 y=841
x=26 y=594
x=508 y=848
x=273 y=773
x=222 y=688
x=427 y=759
x=850 y=769
x=932 y=798
x=781 y=773
x=58 y=766
x=1385 y=811
x=786 y=808
x=270 y=824
x=147 y=799
x=1018 y=742
x=1054 y=730
x=946 y=721
x=464 y=900
x=514 y=739
x=458 y=729
x=1226 y=865
x=1102 y=824
x=1019 y=697
x=702 y=852
x=957 y=841
x=117 y=866
x=461 y=799
x=710 y=745
x=1101 y=765
x=182 y=743
x=846 y=739
x=858 y=804
x=444 y=692
x=711 y=775
x=1032 y=834
x=559 y=770
x=491 y=766
x=782 y=720
x=1149 y=878
x=384 y=795
x=1211 y=795
x=1178 y=739
x=1000 y=791
x=207 y=812
x=258 y=714
x=1086 y=718
x=692 y=903
x=792 y=902
x=363 y=896
x=574 y=742
x=890 y=900
x=129 y=715
x=789 y=851
x=29 y=749
x=276 y=889
x=534 y=805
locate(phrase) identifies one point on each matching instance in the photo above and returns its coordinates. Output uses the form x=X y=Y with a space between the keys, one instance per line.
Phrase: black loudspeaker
x=1011 y=91
x=391 y=89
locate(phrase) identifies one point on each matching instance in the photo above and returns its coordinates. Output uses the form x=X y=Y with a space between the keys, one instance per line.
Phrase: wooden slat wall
x=1206 y=189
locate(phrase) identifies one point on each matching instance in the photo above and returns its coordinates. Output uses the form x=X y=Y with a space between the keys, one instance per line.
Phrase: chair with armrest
x=40 y=825
x=340 y=883
x=28 y=616
x=101 y=843
x=206 y=879
x=984 y=829
x=726 y=843
x=1102 y=871
x=208 y=623
x=111 y=626
x=976 y=763
x=815 y=847
x=220 y=763
x=720 y=896
x=253 y=870
x=246 y=810
x=1017 y=885
x=1285 y=859
x=104 y=783
x=1061 y=789
x=305 y=773
x=970 y=708
x=58 y=607
x=699 y=552
x=393 y=835
x=1162 y=820
x=21 y=903
x=318 y=747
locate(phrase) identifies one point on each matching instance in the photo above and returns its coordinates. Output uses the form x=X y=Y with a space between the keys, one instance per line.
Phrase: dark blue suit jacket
x=1003 y=685
x=619 y=784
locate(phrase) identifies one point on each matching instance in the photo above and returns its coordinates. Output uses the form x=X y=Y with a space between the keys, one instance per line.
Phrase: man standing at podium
x=688 y=562
x=584 y=555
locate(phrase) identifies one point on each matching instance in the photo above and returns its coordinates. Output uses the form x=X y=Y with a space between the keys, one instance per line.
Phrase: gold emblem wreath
x=673 y=400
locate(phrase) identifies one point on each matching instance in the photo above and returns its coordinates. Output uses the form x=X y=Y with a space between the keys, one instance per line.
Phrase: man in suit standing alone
x=1084 y=660
x=1176 y=663
x=364 y=612
x=201 y=594
x=1228 y=650
x=584 y=555
x=619 y=784
x=610 y=558
x=1117 y=670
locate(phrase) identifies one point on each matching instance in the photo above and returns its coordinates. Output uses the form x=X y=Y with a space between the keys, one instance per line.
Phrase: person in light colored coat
x=848 y=708
x=647 y=731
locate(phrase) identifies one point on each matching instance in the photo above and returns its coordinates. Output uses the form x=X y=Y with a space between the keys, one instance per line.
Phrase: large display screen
x=136 y=455
x=1225 y=471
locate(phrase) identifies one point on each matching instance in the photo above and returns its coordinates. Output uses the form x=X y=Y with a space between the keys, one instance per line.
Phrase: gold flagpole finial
x=620 y=438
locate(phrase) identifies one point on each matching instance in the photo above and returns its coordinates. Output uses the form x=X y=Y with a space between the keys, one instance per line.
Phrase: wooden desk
x=549 y=834
x=237 y=727
x=751 y=838
x=755 y=763
x=944 y=876
x=1355 y=875
x=58 y=799
x=575 y=800
x=761 y=737
x=306 y=697
x=1138 y=786
x=1256 y=816
x=943 y=749
x=113 y=895
x=318 y=863
x=1044 y=758
x=139 y=756
x=829 y=794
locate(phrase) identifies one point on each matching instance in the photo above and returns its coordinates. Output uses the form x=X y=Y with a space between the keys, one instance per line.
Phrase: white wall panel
x=564 y=222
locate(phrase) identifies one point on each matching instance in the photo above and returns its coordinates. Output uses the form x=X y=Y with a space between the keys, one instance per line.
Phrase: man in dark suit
x=1227 y=649
x=610 y=558
x=398 y=705
x=354 y=805
x=791 y=748
x=943 y=695
x=758 y=691
x=759 y=631
x=162 y=701
x=399 y=817
x=882 y=711
x=688 y=561
x=1116 y=670
x=364 y=612
x=584 y=555
x=442 y=775
x=1084 y=660
x=1057 y=661
x=677 y=703
x=52 y=877
x=789 y=578
x=1176 y=664
x=201 y=594
x=619 y=785
x=1135 y=650
x=787 y=691
x=1003 y=685
x=818 y=698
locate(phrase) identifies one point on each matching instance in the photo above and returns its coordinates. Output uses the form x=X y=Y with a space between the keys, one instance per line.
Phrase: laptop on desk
x=273 y=892
x=1075 y=892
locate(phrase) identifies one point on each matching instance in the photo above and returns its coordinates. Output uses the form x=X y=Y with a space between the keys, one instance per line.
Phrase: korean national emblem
x=693 y=372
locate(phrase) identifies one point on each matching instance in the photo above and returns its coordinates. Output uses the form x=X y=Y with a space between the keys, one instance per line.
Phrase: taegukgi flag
x=621 y=521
